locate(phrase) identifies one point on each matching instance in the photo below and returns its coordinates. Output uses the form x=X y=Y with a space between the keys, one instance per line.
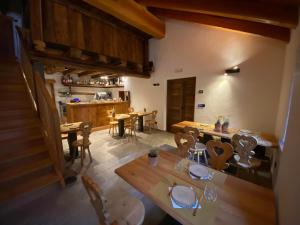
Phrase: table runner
x=205 y=215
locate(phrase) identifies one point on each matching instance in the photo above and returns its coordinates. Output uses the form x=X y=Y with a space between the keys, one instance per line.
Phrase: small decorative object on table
x=218 y=124
x=153 y=157
x=225 y=126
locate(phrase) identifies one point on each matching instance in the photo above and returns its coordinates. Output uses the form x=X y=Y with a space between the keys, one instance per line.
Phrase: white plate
x=184 y=196
x=198 y=170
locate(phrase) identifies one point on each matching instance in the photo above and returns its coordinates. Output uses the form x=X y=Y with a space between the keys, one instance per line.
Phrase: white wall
x=287 y=181
x=250 y=99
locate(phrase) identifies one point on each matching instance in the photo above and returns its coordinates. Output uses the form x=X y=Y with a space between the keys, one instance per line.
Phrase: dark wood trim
x=267 y=13
x=271 y=31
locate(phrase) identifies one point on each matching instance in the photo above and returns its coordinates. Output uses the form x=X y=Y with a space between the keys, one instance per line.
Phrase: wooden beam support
x=274 y=14
x=271 y=31
x=88 y=73
x=132 y=13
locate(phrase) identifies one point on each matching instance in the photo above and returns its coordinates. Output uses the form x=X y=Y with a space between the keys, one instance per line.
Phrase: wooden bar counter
x=96 y=112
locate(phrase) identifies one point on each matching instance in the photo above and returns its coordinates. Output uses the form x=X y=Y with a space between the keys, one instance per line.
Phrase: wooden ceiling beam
x=271 y=31
x=132 y=13
x=254 y=11
x=88 y=73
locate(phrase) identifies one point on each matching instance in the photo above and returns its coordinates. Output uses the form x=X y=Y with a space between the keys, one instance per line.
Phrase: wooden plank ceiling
x=270 y=18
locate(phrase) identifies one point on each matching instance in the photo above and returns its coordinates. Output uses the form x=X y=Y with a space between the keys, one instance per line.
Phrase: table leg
x=141 y=124
x=121 y=128
x=73 y=150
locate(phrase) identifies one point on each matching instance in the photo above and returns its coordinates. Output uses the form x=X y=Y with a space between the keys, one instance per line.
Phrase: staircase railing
x=44 y=106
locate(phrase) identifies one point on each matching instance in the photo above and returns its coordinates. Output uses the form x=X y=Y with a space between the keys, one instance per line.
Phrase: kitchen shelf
x=93 y=86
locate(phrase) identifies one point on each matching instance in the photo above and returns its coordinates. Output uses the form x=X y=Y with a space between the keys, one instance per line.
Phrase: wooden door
x=180 y=100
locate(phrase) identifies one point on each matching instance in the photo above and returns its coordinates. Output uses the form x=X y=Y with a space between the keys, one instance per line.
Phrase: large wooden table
x=239 y=202
x=71 y=129
x=141 y=119
x=265 y=140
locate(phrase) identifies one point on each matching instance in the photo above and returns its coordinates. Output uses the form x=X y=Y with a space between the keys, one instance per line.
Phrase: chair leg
x=109 y=129
x=205 y=157
x=82 y=155
x=198 y=157
x=91 y=159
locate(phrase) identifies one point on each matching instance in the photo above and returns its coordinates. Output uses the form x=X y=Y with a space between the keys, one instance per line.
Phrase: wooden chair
x=84 y=143
x=128 y=210
x=130 y=110
x=152 y=121
x=113 y=124
x=244 y=146
x=131 y=125
x=184 y=142
x=199 y=148
x=219 y=152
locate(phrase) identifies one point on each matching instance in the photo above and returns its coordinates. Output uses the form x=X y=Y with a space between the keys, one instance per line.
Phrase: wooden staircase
x=25 y=163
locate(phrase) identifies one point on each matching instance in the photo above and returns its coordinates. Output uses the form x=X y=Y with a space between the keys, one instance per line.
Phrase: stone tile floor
x=71 y=206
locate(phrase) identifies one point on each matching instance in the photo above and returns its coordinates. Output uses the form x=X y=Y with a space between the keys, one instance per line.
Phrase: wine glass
x=210 y=192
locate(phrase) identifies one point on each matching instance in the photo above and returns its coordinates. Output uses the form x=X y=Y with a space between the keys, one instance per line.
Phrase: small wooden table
x=71 y=129
x=141 y=119
x=121 y=121
x=265 y=140
x=239 y=202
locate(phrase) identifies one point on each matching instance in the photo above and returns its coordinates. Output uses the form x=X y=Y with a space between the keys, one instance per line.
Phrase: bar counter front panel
x=94 y=112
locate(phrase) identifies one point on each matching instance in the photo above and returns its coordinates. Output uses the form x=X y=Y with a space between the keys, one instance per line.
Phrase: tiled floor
x=71 y=206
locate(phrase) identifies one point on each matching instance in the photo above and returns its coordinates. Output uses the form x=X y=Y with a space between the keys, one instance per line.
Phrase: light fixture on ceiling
x=232 y=71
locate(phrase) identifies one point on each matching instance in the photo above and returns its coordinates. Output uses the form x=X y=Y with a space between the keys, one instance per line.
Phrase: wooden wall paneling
x=61 y=24
x=48 y=22
x=92 y=34
x=36 y=19
x=76 y=29
x=107 y=39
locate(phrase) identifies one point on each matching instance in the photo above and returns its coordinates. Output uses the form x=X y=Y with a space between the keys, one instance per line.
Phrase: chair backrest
x=85 y=128
x=97 y=199
x=184 y=142
x=130 y=110
x=244 y=145
x=193 y=131
x=219 y=152
x=133 y=119
x=154 y=114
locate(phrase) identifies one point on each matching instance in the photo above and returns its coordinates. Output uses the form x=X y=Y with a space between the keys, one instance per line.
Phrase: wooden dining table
x=71 y=129
x=263 y=139
x=238 y=201
x=141 y=119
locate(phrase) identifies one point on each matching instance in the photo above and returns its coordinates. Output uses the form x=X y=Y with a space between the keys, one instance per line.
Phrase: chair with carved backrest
x=152 y=121
x=199 y=148
x=244 y=146
x=219 y=152
x=84 y=143
x=113 y=124
x=127 y=210
x=184 y=142
x=131 y=125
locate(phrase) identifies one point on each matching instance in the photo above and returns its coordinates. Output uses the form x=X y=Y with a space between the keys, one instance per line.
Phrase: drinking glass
x=210 y=192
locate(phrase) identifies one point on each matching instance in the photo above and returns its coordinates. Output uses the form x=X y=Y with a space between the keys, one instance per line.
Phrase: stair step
x=16 y=104
x=22 y=169
x=17 y=114
x=22 y=144
x=12 y=88
x=20 y=133
x=30 y=185
x=8 y=156
x=19 y=123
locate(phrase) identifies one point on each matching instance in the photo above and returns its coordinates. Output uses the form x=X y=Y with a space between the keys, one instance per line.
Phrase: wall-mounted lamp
x=232 y=71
